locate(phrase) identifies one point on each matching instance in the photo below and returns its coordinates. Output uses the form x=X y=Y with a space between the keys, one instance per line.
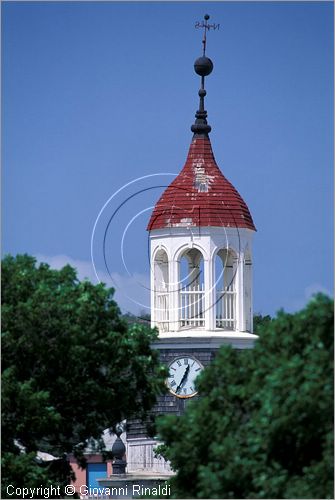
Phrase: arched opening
x=225 y=290
x=191 y=289
x=161 y=291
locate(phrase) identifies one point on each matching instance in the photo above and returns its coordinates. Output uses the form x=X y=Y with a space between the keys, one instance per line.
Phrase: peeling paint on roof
x=184 y=222
x=202 y=180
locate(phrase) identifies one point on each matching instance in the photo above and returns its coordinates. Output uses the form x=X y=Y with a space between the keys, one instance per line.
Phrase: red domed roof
x=200 y=195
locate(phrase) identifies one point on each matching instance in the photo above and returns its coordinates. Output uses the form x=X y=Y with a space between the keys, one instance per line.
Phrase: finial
x=118 y=452
x=203 y=66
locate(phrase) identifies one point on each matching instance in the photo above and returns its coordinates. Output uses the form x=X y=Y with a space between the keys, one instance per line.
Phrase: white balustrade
x=226 y=308
x=192 y=306
x=162 y=310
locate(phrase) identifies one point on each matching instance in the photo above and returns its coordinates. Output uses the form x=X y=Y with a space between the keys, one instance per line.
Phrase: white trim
x=169 y=232
x=202 y=340
x=157 y=249
x=189 y=246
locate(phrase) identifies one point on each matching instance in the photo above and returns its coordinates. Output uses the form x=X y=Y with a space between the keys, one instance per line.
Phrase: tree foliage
x=260 y=322
x=263 y=427
x=71 y=368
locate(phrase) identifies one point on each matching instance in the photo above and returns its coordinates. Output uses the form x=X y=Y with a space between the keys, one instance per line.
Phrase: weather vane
x=206 y=26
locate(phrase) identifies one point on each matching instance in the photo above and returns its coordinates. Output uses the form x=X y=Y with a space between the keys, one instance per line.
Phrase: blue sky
x=95 y=95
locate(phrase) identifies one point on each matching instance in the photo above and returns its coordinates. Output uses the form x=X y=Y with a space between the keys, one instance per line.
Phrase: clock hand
x=184 y=377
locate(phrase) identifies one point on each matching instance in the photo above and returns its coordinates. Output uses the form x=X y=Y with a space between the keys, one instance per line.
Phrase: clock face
x=182 y=373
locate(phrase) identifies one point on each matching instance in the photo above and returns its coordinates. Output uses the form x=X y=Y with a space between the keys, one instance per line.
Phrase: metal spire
x=206 y=17
x=203 y=66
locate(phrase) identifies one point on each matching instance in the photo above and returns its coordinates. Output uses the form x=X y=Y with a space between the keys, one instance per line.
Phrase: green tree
x=260 y=323
x=263 y=427
x=71 y=367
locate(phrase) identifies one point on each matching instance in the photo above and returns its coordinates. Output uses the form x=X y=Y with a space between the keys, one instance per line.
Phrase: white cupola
x=201 y=235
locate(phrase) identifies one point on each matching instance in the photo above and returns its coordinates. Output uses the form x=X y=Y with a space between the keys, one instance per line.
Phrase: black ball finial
x=203 y=66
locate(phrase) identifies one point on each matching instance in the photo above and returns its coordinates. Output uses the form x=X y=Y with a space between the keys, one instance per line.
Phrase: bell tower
x=201 y=235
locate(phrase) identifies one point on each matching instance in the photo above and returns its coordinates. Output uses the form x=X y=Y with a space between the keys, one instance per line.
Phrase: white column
x=152 y=293
x=240 y=309
x=173 y=295
x=251 y=300
x=248 y=294
x=210 y=296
